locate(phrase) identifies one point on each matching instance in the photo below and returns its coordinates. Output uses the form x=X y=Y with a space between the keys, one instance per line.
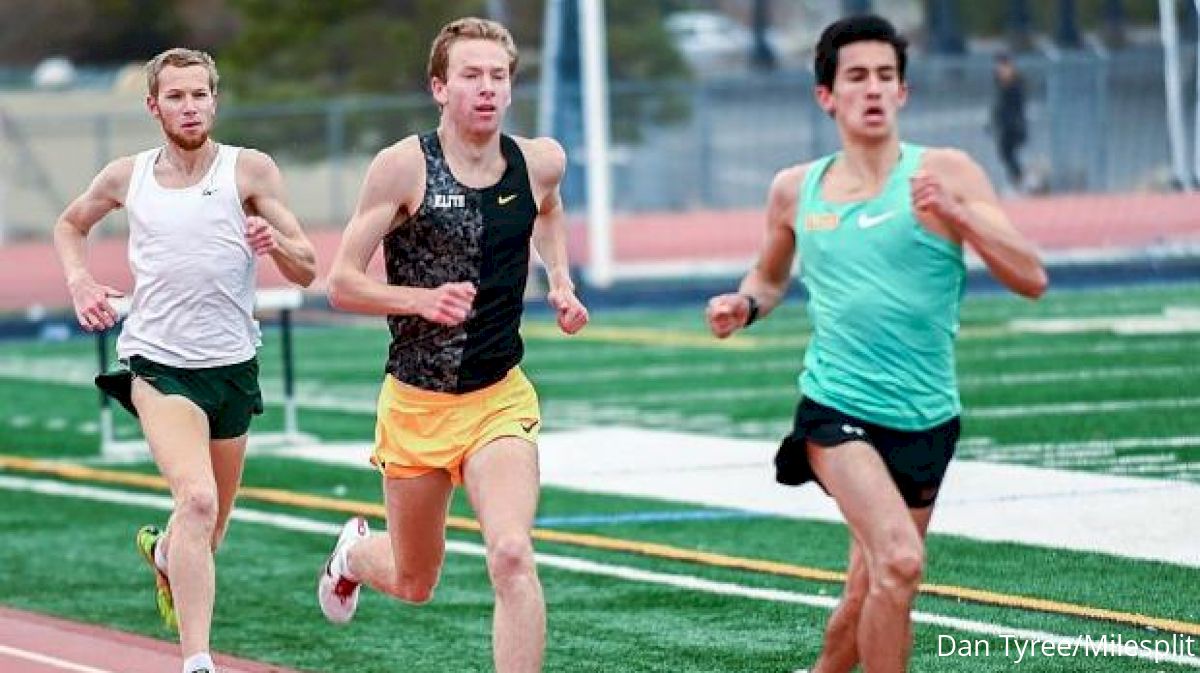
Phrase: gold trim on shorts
x=418 y=431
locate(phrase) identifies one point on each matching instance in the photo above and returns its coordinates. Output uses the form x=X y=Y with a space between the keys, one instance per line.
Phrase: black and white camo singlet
x=463 y=234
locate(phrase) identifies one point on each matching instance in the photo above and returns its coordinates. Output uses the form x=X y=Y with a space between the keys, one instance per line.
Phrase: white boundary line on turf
x=688 y=582
x=50 y=661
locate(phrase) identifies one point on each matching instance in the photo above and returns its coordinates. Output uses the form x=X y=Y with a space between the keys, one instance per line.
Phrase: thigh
x=177 y=432
x=416 y=519
x=502 y=482
x=228 y=458
x=859 y=481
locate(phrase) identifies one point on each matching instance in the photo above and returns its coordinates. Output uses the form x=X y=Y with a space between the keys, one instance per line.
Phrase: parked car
x=709 y=40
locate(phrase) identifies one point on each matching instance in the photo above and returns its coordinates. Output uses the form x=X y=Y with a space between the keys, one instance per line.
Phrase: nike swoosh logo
x=866 y=221
x=505 y=199
x=529 y=426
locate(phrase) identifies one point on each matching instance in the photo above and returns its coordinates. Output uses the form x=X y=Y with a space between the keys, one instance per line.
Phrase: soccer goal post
x=272 y=300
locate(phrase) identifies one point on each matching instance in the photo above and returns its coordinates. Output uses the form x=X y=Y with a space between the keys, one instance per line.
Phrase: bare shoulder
x=112 y=181
x=544 y=157
x=947 y=161
x=255 y=164
x=789 y=179
x=785 y=187
x=399 y=157
x=958 y=171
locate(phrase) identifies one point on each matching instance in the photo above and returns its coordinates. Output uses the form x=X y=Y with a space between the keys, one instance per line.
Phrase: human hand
x=92 y=308
x=261 y=235
x=572 y=315
x=448 y=304
x=727 y=313
x=930 y=197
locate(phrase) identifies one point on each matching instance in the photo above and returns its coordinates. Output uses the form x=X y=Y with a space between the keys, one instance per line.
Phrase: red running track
x=32 y=643
x=29 y=272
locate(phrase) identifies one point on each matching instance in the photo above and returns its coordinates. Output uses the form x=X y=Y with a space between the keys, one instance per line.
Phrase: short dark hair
x=861 y=28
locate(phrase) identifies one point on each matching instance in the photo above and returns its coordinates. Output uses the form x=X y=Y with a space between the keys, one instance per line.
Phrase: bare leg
x=177 y=431
x=890 y=543
x=502 y=481
x=840 y=651
x=406 y=562
x=228 y=459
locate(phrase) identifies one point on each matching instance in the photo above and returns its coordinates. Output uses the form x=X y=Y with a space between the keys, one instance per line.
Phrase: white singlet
x=194 y=272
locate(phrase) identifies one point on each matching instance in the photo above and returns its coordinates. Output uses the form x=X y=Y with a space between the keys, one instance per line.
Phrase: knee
x=509 y=559
x=898 y=571
x=197 y=509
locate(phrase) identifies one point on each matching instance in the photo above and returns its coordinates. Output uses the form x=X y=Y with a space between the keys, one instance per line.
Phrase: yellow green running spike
x=147 y=538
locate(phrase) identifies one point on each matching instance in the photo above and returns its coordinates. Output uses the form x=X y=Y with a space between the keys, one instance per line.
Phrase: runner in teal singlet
x=880 y=228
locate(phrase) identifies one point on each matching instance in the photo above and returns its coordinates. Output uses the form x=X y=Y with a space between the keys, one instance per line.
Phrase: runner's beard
x=187 y=143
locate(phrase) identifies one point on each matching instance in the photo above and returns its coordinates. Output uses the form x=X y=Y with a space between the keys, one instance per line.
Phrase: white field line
x=679 y=581
x=1101 y=345
x=639 y=371
x=80 y=370
x=719 y=394
x=1107 y=303
x=1082 y=408
x=50 y=661
x=360 y=398
x=1101 y=446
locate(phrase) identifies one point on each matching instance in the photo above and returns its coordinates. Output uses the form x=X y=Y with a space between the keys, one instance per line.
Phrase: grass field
x=1086 y=399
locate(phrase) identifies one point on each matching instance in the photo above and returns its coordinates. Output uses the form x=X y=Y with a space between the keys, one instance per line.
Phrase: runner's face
x=867 y=91
x=185 y=105
x=478 y=88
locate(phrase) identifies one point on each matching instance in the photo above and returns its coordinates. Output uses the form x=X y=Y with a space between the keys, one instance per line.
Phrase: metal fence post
x=335 y=140
x=704 y=145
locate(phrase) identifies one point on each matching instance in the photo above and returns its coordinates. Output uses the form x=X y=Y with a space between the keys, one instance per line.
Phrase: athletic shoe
x=338 y=595
x=147 y=538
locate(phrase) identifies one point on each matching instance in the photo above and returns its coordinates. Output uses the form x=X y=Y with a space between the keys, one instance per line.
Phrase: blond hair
x=180 y=57
x=469 y=28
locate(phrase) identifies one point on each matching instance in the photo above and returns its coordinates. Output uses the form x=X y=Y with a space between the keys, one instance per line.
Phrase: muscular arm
x=547 y=163
x=768 y=280
x=391 y=189
x=973 y=211
x=105 y=194
x=261 y=186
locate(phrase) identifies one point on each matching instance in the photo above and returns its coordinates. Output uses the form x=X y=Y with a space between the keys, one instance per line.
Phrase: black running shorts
x=917 y=461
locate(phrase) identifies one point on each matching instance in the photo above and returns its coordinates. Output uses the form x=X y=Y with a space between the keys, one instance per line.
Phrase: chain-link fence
x=1096 y=123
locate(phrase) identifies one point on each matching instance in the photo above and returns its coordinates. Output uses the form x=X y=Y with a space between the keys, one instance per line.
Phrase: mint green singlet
x=884 y=295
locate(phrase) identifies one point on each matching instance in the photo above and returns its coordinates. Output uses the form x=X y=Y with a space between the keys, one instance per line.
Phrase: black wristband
x=752 y=312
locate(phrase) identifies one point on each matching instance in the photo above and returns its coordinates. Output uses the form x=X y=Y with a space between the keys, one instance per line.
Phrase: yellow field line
x=315 y=502
x=641 y=336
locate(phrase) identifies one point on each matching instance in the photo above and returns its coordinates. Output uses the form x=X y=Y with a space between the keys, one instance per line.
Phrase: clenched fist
x=727 y=313
x=260 y=235
x=448 y=304
x=930 y=197
x=572 y=315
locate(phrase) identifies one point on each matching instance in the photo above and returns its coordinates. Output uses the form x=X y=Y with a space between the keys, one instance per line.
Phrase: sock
x=199 y=663
x=340 y=566
x=160 y=555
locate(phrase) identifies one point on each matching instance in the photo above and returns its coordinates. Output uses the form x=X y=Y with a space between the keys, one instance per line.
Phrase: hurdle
x=282 y=300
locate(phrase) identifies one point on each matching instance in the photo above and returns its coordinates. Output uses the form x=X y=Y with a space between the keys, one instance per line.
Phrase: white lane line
x=1076 y=408
x=688 y=582
x=50 y=661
